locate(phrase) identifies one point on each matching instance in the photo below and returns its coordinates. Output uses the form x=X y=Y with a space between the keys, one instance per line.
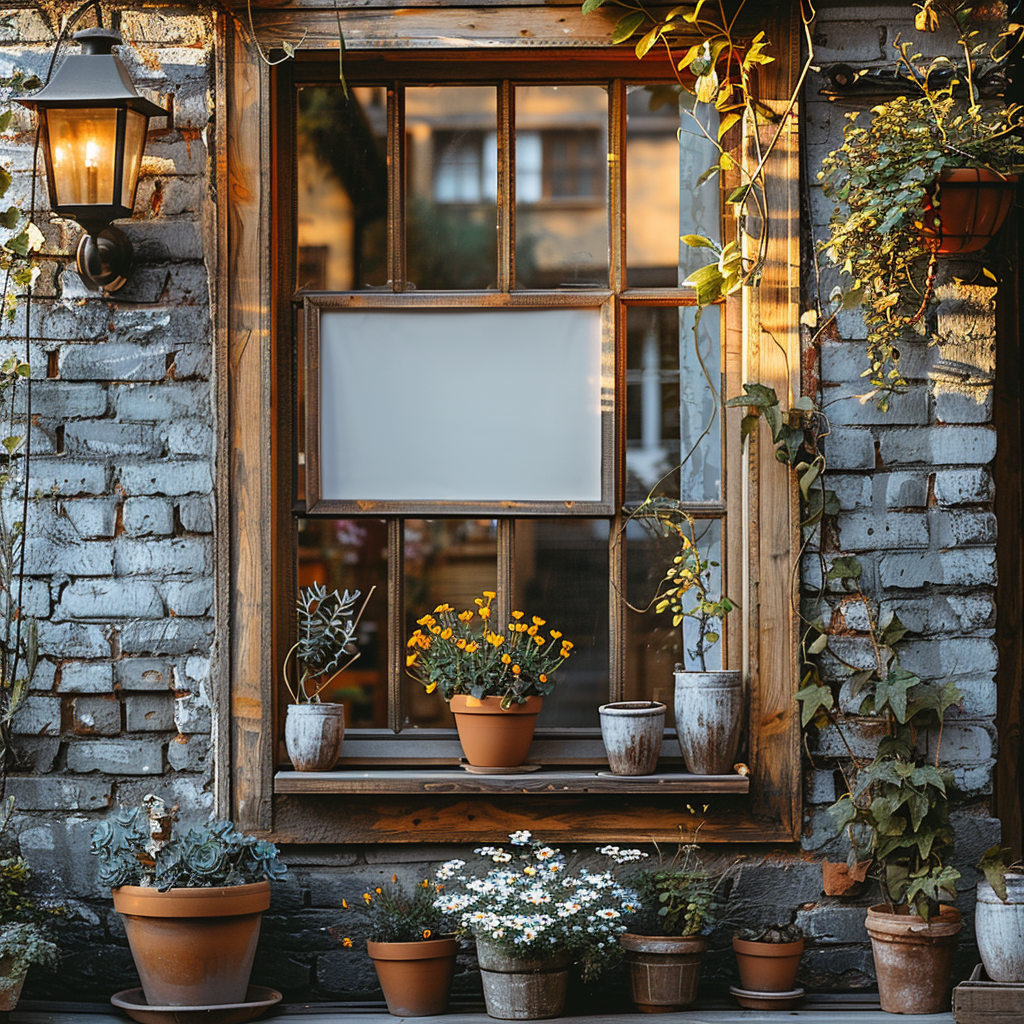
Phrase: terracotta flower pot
x=632 y=731
x=663 y=972
x=767 y=966
x=838 y=880
x=999 y=929
x=10 y=989
x=193 y=947
x=313 y=734
x=709 y=716
x=519 y=989
x=490 y=737
x=913 y=958
x=973 y=203
x=416 y=976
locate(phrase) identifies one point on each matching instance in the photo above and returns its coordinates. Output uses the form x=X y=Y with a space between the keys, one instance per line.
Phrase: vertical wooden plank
x=617 y=183
x=246 y=276
x=396 y=187
x=506 y=187
x=506 y=572
x=396 y=621
x=774 y=347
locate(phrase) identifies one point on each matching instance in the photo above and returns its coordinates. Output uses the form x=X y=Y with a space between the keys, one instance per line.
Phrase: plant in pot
x=413 y=957
x=533 y=915
x=314 y=729
x=768 y=959
x=26 y=925
x=494 y=682
x=930 y=173
x=999 y=916
x=708 y=704
x=679 y=898
x=191 y=905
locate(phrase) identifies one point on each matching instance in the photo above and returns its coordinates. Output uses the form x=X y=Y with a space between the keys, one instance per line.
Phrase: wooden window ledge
x=545 y=781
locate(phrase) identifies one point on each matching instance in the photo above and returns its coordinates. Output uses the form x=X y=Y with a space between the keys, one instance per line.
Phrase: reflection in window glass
x=451 y=187
x=561 y=575
x=351 y=554
x=673 y=415
x=561 y=186
x=341 y=188
x=446 y=560
x=653 y=645
x=666 y=152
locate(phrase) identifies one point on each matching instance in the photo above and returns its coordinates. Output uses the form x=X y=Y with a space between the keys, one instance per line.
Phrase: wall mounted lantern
x=93 y=131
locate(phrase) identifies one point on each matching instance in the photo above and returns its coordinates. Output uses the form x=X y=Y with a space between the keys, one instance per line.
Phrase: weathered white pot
x=709 y=716
x=999 y=929
x=632 y=731
x=313 y=735
x=521 y=989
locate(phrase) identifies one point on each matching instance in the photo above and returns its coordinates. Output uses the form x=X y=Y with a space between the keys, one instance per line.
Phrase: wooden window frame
x=253 y=502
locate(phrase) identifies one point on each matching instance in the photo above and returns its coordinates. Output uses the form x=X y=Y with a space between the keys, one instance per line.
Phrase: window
x=363 y=182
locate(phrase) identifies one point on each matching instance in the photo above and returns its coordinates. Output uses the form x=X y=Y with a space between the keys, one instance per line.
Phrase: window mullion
x=506 y=570
x=396 y=622
x=506 y=187
x=617 y=182
x=396 y=187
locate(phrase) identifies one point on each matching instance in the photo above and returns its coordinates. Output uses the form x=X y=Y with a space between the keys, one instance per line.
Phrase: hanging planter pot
x=913 y=957
x=632 y=731
x=416 y=977
x=313 y=734
x=663 y=971
x=999 y=930
x=709 y=716
x=518 y=989
x=973 y=204
x=493 y=737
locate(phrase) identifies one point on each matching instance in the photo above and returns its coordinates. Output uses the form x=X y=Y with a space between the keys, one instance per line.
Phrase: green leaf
x=592 y=5
x=813 y=698
x=5 y=120
x=727 y=122
x=627 y=25
x=892 y=691
x=699 y=242
x=647 y=41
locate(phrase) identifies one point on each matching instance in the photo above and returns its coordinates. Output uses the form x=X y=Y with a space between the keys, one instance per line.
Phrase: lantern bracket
x=105 y=260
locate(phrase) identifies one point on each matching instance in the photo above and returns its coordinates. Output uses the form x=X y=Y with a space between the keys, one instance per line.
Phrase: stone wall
x=121 y=556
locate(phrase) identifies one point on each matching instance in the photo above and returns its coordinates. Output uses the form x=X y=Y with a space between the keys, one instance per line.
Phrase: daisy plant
x=459 y=653
x=396 y=914
x=527 y=899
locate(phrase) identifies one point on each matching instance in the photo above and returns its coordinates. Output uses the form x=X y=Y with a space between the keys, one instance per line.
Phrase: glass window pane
x=351 y=554
x=451 y=187
x=561 y=186
x=83 y=145
x=446 y=560
x=341 y=188
x=673 y=413
x=134 y=144
x=479 y=405
x=561 y=575
x=666 y=153
x=653 y=646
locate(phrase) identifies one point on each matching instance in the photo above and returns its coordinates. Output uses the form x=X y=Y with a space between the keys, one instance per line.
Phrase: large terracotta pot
x=416 y=976
x=491 y=737
x=519 y=989
x=193 y=947
x=632 y=731
x=767 y=966
x=913 y=958
x=313 y=734
x=663 y=972
x=973 y=203
x=709 y=717
x=999 y=929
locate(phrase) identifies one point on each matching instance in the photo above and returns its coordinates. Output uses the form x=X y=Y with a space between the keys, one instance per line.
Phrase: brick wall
x=121 y=551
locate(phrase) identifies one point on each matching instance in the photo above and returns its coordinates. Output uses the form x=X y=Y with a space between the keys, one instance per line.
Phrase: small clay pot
x=313 y=734
x=767 y=966
x=838 y=880
x=663 y=972
x=632 y=731
x=416 y=977
x=492 y=737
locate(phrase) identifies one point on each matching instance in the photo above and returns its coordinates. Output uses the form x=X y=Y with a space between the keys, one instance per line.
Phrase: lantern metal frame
x=96 y=79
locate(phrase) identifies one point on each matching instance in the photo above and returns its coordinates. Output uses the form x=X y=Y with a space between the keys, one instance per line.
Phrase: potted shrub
x=533 y=916
x=414 y=959
x=768 y=958
x=901 y=180
x=314 y=729
x=999 y=916
x=664 y=948
x=191 y=906
x=494 y=682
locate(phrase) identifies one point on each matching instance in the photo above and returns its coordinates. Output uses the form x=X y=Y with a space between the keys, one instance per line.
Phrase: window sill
x=546 y=782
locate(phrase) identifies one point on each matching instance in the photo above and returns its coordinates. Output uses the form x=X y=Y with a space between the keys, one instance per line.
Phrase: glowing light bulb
x=92 y=171
x=92 y=154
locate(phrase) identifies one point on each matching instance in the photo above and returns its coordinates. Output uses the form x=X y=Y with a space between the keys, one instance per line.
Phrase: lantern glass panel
x=134 y=144
x=83 y=150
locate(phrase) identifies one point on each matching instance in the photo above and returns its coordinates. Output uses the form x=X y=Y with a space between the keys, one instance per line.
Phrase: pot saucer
x=516 y=769
x=259 y=1000
x=767 y=1000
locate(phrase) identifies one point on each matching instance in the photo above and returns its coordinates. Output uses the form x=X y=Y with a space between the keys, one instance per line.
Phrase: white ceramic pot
x=632 y=731
x=999 y=929
x=709 y=716
x=313 y=735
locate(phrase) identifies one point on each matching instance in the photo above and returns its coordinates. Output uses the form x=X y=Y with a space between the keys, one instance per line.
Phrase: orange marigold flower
x=461 y=643
x=538 y=621
x=465 y=616
x=516 y=670
x=427 y=620
x=490 y=595
x=378 y=890
x=367 y=897
x=446 y=633
x=410 y=660
x=425 y=884
x=427 y=933
x=441 y=608
x=346 y=942
x=394 y=878
x=344 y=903
x=472 y=647
x=543 y=678
x=517 y=615
x=555 y=634
x=568 y=644
x=506 y=659
x=539 y=640
x=532 y=630
x=485 y=613
x=431 y=687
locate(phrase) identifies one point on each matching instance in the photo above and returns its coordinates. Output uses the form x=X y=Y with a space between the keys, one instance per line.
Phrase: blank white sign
x=460 y=405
